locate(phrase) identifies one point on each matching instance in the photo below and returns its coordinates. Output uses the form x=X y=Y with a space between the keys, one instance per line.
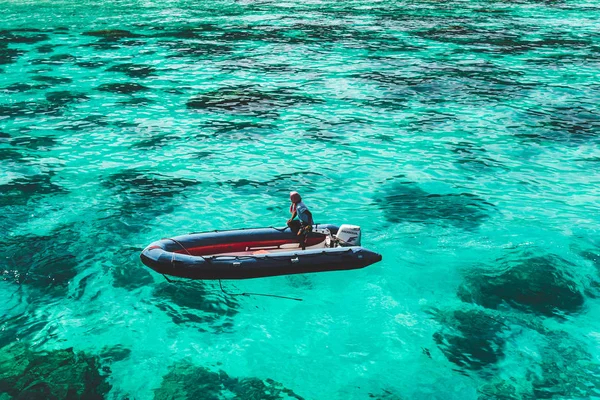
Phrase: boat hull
x=183 y=256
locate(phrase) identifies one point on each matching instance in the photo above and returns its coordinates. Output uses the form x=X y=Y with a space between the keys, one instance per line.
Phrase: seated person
x=303 y=225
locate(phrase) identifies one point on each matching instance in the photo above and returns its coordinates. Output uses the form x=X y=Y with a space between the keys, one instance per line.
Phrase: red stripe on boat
x=242 y=246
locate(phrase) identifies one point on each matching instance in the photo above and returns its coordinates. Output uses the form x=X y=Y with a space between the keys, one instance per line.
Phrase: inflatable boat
x=261 y=252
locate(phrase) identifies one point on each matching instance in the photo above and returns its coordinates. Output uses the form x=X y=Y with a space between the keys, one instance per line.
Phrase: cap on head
x=295 y=197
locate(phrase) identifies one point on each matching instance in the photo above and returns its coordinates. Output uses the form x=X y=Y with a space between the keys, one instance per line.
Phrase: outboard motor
x=348 y=235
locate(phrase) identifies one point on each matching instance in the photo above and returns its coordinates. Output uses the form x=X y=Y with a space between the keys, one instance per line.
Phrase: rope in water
x=257 y=294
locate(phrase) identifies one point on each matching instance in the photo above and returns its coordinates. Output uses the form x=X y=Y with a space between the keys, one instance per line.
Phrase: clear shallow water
x=462 y=137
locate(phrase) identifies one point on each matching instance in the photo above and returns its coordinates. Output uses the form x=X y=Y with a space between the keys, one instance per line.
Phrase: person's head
x=295 y=197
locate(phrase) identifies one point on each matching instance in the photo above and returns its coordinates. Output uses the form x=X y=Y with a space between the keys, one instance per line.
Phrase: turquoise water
x=462 y=137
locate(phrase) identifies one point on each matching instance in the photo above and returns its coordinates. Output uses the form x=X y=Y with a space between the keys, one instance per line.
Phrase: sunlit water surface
x=461 y=136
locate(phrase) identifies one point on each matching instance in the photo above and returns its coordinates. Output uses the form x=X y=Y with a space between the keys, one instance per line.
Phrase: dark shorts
x=295 y=225
x=297 y=228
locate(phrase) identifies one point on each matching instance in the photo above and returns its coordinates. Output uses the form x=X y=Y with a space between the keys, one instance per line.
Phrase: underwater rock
x=324 y=33
x=65 y=97
x=23 y=87
x=483 y=71
x=176 y=90
x=194 y=32
x=470 y=338
x=132 y=276
x=429 y=121
x=17 y=87
x=479 y=40
x=7 y=37
x=404 y=201
x=250 y=64
x=138 y=182
x=181 y=34
x=249 y=100
x=231 y=34
x=192 y=382
x=138 y=101
x=254 y=388
x=155 y=142
x=246 y=33
x=43 y=262
x=474 y=81
x=132 y=216
x=45 y=48
x=112 y=34
x=122 y=88
x=197 y=49
x=539 y=284
x=22 y=30
x=8 y=55
x=473 y=157
x=21 y=190
x=390 y=79
x=58 y=374
x=229 y=99
x=56 y=59
x=50 y=263
x=104 y=44
x=28 y=109
x=62 y=58
x=241 y=129
x=593 y=256
x=562 y=124
x=52 y=79
x=128 y=273
x=91 y=64
x=323 y=136
x=11 y=155
x=381 y=48
x=35 y=143
x=133 y=70
x=137 y=43
x=302 y=281
x=568 y=370
x=561 y=368
x=143 y=197
x=235 y=126
x=502 y=390
x=557 y=60
x=280 y=184
x=18 y=328
x=114 y=354
x=384 y=394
